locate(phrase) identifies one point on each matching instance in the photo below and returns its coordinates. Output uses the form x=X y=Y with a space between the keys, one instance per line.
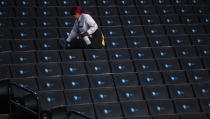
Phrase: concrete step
x=4 y=116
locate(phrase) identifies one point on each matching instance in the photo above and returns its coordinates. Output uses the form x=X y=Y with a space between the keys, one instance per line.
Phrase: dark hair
x=77 y=9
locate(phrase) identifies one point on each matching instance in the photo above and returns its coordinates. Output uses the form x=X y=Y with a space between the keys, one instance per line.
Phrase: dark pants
x=96 y=42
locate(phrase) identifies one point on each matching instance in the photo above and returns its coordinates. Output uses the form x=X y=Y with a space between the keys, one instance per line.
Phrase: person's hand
x=68 y=40
x=83 y=34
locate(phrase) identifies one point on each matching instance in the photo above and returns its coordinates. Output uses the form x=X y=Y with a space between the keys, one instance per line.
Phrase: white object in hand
x=87 y=40
x=68 y=39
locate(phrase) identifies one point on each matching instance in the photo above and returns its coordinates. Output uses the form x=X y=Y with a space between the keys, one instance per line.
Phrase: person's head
x=77 y=11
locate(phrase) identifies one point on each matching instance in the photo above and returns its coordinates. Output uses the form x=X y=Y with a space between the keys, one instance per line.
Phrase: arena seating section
x=155 y=65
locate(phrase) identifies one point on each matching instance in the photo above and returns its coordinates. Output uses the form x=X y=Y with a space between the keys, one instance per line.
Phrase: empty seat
x=185 y=51
x=4 y=72
x=143 y=2
x=191 y=63
x=116 y=43
x=46 y=11
x=108 y=110
x=195 y=29
x=129 y=93
x=125 y=2
x=106 y=2
x=130 y=20
x=64 y=11
x=47 y=44
x=50 y=99
x=5 y=58
x=112 y=31
x=5 y=45
x=87 y=2
x=146 y=10
x=72 y=55
x=24 y=57
x=48 y=56
x=158 y=107
x=198 y=76
x=203 y=50
x=103 y=95
x=25 y=12
x=170 y=19
x=165 y=10
x=202 y=90
x=102 y=80
x=134 y=109
x=181 y=91
x=180 y=40
x=127 y=11
x=47 y=33
x=137 y=42
x=175 y=30
x=162 y=2
x=168 y=64
x=150 y=20
x=189 y=19
x=97 y=67
x=187 y=105
x=6 y=12
x=155 y=92
x=7 y=22
x=48 y=69
x=125 y=79
x=46 y=3
x=200 y=40
x=23 y=70
x=158 y=41
x=150 y=78
x=6 y=3
x=50 y=83
x=163 y=52
x=108 y=11
x=27 y=33
x=110 y=21
x=119 y=66
x=23 y=45
x=205 y=104
x=145 y=65
x=67 y=3
x=65 y=22
x=201 y=9
x=141 y=53
x=206 y=62
x=174 y=77
x=73 y=68
x=46 y=22
x=5 y=34
x=25 y=3
x=25 y=22
x=75 y=82
x=134 y=31
x=94 y=55
x=183 y=10
x=118 y=54
x=81 y=96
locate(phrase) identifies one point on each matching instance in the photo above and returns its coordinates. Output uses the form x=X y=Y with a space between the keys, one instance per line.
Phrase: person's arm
x=92 y=24
x=73 y=33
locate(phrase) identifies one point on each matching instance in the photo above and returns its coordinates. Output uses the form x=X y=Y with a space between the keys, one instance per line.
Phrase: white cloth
x=85 y=23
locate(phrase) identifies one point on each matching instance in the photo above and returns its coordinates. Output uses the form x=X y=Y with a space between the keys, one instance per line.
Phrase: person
x=85 y=33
